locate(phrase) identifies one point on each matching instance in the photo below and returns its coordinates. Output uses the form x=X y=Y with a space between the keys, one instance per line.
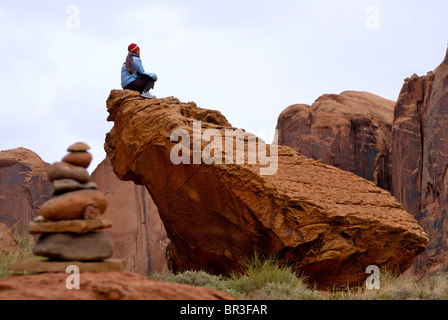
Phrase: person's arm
x=138 y=66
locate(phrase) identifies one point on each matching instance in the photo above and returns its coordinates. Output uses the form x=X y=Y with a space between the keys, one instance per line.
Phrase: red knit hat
x=133 y=47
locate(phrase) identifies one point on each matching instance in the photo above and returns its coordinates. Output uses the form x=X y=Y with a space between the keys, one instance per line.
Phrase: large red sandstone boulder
x=101 y=286
x=138 y=233
x=351 y=131
x=327 y=223
x=419 y=161
x=24 y=186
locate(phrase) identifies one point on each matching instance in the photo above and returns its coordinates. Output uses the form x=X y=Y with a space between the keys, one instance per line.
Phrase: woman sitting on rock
x=133 y=76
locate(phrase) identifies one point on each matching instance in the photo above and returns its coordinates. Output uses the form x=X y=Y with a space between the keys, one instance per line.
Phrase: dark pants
x=142 y=84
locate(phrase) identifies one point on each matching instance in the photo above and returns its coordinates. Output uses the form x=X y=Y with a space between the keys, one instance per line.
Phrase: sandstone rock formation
x=102 y=286
x=351 y=131
x=419 y=161
x=328 y=223
x=138 y=233
x=24 y=186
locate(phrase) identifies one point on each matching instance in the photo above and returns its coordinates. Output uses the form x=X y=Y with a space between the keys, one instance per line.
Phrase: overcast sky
x=249 y=59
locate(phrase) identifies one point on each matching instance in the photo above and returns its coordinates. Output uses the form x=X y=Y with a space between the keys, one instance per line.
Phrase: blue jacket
x=127 y=78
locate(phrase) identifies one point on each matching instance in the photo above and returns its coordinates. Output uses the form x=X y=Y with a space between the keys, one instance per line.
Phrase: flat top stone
x=108 y=265
x=92 y=246
x=64 y=170
x=64 y=185
x=75 y=226
x=79 y=146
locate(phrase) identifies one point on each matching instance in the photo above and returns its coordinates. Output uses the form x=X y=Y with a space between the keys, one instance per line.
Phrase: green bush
x=259 y=272
x=392 y=287
x=283 y=291
x=192 y=278
x=260 y=279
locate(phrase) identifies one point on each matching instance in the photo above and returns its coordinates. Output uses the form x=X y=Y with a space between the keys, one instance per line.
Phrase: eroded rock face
x=138 y=233
x=328 y=223
x=24 y=186
x=419 y=161
x=351 y=131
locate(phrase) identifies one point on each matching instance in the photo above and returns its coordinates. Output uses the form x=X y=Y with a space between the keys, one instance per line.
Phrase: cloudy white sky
x=250 y=59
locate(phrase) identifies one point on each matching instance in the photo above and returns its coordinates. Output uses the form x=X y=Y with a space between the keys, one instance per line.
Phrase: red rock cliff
x=419 y=161
x=138 y=233
x=351 y=131
x=24 y=186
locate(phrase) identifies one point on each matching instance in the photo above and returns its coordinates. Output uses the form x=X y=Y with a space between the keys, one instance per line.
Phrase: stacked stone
x=70 y=224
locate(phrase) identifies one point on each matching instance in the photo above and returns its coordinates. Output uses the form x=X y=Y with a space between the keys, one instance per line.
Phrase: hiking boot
x=147 y=95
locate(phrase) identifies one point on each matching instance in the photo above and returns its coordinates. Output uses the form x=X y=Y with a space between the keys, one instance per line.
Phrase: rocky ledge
x=101 y=286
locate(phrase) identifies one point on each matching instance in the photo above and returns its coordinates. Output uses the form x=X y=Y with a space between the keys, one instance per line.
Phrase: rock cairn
x=70 y=225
